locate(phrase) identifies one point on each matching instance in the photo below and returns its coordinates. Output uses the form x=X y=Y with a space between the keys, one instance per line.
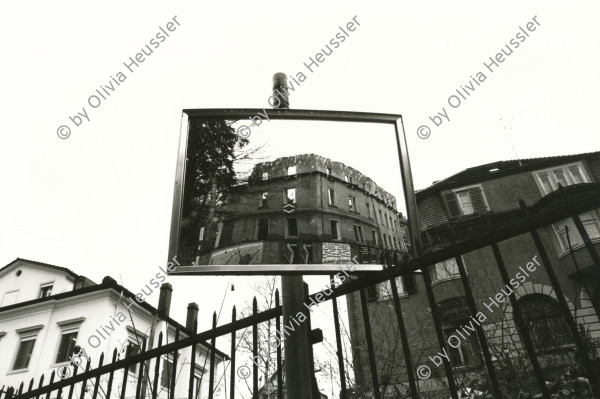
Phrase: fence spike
x=110 y=376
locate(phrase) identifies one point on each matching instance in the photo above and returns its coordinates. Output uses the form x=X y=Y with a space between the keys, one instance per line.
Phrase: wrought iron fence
x=104 y=379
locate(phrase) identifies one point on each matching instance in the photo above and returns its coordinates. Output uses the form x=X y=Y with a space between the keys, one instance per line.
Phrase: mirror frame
x=287 y=114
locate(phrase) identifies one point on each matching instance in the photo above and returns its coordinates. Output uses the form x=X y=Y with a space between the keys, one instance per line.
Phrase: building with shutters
x=308 y=209
x=470 y=203
x=46 y=311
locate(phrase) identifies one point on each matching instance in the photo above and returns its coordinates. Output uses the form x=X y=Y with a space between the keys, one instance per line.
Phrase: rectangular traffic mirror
x=281 y=191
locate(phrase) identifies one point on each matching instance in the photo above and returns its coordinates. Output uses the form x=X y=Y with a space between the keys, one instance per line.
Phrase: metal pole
x=297 y=355
x=297 y=364
x=340 y=350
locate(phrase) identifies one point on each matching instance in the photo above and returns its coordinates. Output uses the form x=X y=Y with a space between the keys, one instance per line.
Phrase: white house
x=46 y=311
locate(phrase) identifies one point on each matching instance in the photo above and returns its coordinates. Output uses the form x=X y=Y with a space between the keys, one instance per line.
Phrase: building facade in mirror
x=308 y=209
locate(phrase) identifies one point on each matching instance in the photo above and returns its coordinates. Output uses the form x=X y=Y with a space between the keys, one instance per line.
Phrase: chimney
x=279 y=81
x=164 y=301
x=192 y=316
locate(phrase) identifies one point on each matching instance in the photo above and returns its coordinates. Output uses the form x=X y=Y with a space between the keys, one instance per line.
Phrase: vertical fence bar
x=372 y=363
x=124 y=383
x=49 y=383
x=72 y=387
x=157 y=368
x=98 y=378
x=192 y=364
x=111 y=375
x=521 y=325
x=59 y=393
x=414 y=392
x=586 y=239
x=338 y=341
x=211 y=382
x=173 y=375
x=279 y=362
x=309 y=343
x=487 y=357
x=84 y=382
x=254 y=352
x=138 y=388
x=439 y=332
x=233 y=370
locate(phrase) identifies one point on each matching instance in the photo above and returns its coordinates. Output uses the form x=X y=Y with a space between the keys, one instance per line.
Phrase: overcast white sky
x=100 y=201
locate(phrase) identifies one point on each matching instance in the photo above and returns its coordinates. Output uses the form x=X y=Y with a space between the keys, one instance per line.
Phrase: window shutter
x=452 y=205
x=477 y=200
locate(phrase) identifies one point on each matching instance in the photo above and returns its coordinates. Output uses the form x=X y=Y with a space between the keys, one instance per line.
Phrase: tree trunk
x=211 y=214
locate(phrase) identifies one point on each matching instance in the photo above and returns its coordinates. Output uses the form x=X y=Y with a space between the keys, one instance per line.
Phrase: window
x=445 y=270
x=66 y=347
x=466 y=201
x=346 y=178
x=405 y=238
x=292 y=227
x=384 y=241
x=590 y=223
x=264 y=199
x=350 y=178
x=384 y=290
x=291 y=170
x=329 y=171
x=265 y=176
x=390 y=242
x=358 y=233
x=290 y=196
x=201 y=235
x=545 y=323
x=380 y=217
x=369 y=211
x=405 y=285
x=410 y=284
x=350 y=204
x=465 y=354
x=24 y=353
x=372 y=292
x=331 y=194
x=374 y=233
x=262 y=229
x=335 y=233
x=567 y=175
x=386 y=221
x=167 y=372
x=132 y=349
x=46 y=290
x=197 y=379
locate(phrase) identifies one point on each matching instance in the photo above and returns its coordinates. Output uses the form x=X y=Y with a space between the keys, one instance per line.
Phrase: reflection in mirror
x=291 y=192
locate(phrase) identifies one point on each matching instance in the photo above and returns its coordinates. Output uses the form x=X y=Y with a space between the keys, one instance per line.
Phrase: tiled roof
x=488 y=171
x=62 y=269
